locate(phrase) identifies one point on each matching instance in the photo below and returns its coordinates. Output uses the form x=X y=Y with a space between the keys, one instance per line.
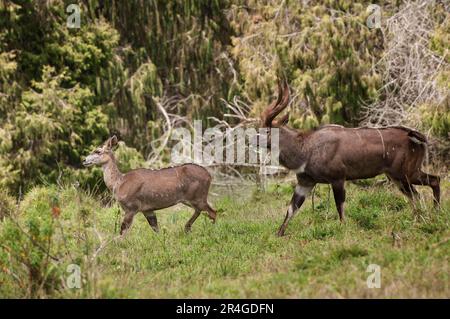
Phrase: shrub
x=7 y=204
x=53 y=229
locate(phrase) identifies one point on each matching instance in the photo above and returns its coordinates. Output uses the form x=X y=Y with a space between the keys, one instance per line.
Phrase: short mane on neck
x=111 y=173
x=292 y=155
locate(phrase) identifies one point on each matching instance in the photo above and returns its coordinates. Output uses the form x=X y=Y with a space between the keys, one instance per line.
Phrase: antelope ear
x=111 y=142
x=283 y=121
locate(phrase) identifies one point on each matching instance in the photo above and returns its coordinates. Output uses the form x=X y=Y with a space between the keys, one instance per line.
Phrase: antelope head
x=102 y=154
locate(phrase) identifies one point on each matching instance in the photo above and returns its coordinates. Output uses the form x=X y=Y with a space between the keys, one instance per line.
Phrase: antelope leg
x=339 y=198
x=152 y=221
x=297 y=200
x=187 y=228
x=127 y=221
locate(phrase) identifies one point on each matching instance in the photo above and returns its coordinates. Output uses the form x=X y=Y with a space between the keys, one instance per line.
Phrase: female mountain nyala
x=146 y=190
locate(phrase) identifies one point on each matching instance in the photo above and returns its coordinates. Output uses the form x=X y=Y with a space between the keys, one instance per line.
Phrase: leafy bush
x=325 y=49
x=7 y=204
x=53 y=229
x=51 y=126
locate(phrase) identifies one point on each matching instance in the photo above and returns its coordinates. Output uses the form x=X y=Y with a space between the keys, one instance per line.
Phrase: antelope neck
x=111 y=174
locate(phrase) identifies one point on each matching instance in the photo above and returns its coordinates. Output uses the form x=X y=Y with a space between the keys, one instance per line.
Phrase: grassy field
x=240 y=256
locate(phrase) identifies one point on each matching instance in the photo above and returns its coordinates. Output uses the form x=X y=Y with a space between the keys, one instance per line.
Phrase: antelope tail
x=417 y=137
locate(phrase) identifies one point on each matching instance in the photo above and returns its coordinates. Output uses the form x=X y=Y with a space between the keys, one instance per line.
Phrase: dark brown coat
x=333 y=154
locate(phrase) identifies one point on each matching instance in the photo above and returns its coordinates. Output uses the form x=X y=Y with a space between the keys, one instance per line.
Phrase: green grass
x=240 y=256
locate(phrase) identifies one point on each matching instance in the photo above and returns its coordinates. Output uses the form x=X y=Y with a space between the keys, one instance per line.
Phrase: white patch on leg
x=303 y=190
x=290 y=211
x=300 y=169
x=300 y=190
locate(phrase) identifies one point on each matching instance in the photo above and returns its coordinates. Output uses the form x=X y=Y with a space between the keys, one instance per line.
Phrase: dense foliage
x=64 y=90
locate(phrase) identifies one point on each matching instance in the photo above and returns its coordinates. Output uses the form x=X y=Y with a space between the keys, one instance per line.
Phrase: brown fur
x=333 y=154
x=146 y=190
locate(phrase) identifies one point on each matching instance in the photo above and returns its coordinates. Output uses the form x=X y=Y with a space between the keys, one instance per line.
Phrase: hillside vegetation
x=65 y=90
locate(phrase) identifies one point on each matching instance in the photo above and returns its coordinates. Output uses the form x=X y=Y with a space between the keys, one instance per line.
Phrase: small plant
x=26 y=252
x=7 y=204
x=52 y=229
x=350 y=252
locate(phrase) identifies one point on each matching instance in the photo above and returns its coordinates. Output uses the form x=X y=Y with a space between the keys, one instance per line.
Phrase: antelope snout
x=87 y=162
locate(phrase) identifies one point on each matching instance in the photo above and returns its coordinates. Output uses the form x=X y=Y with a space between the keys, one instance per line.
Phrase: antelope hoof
x=117 y=238
x=187 y=229
x=212 y=216
x=280 y=233
x=123 y=233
